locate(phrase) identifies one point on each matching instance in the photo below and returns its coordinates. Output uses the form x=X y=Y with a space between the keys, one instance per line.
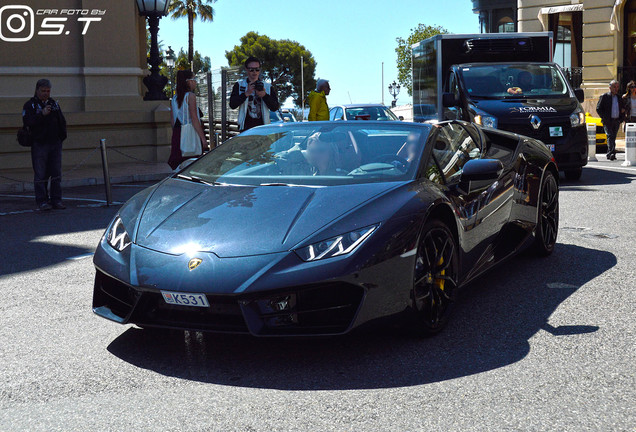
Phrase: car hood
x=234 y=221
x=524 y=108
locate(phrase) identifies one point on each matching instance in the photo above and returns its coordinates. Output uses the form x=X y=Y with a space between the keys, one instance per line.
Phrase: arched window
x=505 y=25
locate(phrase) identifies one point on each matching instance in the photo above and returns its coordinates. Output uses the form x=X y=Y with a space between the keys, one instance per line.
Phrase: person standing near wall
x=610 y=109
x=318 y=108
x=43 y=116
x=182 y=114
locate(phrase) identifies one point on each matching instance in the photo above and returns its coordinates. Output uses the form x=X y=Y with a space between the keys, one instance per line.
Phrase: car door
x=483 y=211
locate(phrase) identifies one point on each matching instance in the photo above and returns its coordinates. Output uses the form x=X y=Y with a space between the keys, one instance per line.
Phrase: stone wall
x=94 y=54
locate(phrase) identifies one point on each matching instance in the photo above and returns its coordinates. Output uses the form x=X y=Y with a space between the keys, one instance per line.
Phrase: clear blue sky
x=348 y=38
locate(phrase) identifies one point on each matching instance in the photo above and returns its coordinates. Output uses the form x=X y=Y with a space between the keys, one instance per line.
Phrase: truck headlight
x=336 y=246
x=577 y=118
x=486 y=121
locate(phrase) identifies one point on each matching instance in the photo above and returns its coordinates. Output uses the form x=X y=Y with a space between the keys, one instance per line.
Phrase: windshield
x=515 y=80
x=370 y=113
x=315 y=154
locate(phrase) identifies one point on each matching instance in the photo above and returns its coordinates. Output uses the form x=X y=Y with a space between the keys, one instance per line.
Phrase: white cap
x=320 y=83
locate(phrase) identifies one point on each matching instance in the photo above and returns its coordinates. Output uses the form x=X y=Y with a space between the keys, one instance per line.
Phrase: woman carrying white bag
x=188 y=138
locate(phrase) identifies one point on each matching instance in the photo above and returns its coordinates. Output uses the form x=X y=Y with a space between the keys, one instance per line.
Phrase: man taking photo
x=253 y=97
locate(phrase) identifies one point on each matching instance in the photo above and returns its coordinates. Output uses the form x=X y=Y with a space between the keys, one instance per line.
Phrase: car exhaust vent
x=501 y=45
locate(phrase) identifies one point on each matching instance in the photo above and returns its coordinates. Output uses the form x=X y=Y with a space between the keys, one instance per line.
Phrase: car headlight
x=486 y=121
x=117 y=237
x=577 y=118
x=336 y=246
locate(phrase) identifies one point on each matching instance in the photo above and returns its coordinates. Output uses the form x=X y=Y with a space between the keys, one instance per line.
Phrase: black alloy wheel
x=435 y=278
x=548 y=216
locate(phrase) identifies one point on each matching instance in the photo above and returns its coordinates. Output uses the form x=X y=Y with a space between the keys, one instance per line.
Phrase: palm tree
x=192 y=9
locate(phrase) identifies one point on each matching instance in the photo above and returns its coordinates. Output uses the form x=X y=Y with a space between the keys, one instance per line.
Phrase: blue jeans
x=611 y=129
x=47 y=164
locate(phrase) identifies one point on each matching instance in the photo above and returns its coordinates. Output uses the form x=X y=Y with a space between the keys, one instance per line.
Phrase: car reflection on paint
x=319 y=228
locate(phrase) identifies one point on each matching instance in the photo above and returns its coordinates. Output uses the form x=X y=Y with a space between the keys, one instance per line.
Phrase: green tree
x=403 y=50
x=281 y=63
x=199 y=63
x=191 y=9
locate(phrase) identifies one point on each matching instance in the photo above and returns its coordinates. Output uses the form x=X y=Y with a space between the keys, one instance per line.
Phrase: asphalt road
x=537 y=345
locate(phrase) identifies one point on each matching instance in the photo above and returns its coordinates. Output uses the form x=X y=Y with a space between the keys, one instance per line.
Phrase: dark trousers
x=611 y=129
x=47 y=164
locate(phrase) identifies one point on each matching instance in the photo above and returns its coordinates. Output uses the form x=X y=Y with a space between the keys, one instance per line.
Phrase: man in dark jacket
x=43 y=116
x=610 y=110
x=254 y=98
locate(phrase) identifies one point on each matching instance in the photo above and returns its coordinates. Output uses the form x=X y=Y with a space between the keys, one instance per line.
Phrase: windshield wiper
x=196 y=179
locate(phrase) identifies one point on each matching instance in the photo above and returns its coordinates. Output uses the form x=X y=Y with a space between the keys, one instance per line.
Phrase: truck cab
x=505 y=82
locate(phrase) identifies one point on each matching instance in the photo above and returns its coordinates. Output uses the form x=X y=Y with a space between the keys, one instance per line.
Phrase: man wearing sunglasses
x=253 y=97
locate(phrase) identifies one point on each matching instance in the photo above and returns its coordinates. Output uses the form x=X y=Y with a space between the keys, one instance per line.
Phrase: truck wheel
x=573 y=174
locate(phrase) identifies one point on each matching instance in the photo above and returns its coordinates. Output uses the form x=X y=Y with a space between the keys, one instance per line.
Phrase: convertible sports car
x=318 y=228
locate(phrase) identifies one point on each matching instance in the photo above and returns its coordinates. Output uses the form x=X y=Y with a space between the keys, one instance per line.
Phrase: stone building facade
x=94 y=53
x=596 y=38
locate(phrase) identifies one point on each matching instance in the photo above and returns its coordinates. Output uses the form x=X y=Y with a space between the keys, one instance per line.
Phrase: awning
x=544 y=12
x=614 y=16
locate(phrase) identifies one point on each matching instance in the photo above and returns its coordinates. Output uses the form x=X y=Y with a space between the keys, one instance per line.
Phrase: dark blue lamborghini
x=318 y=228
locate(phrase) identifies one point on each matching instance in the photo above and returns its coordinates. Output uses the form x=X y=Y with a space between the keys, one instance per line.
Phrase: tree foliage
x=281 y=63
x=403 y=50
x=199 y=63
x=191 y=9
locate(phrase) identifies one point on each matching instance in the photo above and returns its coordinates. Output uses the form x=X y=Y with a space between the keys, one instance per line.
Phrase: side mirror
x=449 y=100
x=479 y=173
x=580 y=94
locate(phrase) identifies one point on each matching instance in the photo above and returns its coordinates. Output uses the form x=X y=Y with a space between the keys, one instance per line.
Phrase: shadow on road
x=493 y=322
x=597 y=176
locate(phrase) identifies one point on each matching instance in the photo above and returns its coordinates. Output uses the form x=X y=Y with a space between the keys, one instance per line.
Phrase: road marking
x=561 y=285
x=79 y=257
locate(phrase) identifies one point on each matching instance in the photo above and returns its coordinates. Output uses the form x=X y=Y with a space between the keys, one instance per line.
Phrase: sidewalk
x=21 y=180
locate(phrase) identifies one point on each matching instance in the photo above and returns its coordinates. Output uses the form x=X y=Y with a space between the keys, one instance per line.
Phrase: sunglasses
x=254 y=69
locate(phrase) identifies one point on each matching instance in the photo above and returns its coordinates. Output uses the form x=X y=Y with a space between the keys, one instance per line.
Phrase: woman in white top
x=180 y=115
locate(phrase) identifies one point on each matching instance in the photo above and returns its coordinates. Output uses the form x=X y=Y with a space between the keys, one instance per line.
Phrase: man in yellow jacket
x=318 y=109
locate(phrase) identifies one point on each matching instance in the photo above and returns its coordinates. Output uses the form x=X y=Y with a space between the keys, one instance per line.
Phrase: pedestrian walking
x=43 y=116
x=184 y=112
x=253 y=98
x=611 y=111
x=318 y=108
x=629 y=102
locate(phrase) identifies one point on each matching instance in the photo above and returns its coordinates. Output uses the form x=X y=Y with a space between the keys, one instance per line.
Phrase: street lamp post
x=154 y=10
x=394 y=89
x=170 y=59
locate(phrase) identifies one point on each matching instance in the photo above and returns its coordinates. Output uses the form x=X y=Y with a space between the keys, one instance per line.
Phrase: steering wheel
x=402 y=164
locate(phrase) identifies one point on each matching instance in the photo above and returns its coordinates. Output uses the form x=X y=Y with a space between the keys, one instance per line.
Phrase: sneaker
x=58 y=205
x=44 y=206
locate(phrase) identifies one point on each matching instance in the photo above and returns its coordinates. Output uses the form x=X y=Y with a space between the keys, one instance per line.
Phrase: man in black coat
x=43 y=116
x=610 y=110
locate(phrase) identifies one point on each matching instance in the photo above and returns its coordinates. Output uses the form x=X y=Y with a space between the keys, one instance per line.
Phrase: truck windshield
x=513 y=81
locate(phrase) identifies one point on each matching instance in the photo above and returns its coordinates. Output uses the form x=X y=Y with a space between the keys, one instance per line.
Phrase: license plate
x=556 y=131
x=550 y=146
x=185 y=299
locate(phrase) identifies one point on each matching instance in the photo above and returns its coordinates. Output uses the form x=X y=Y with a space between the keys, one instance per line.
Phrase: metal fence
x=213 y=94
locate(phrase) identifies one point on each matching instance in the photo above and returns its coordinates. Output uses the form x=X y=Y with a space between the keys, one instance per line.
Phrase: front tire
x=548 y=218
x=435 y=278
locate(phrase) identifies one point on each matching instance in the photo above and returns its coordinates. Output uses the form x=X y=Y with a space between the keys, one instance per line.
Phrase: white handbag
x=190 y=142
